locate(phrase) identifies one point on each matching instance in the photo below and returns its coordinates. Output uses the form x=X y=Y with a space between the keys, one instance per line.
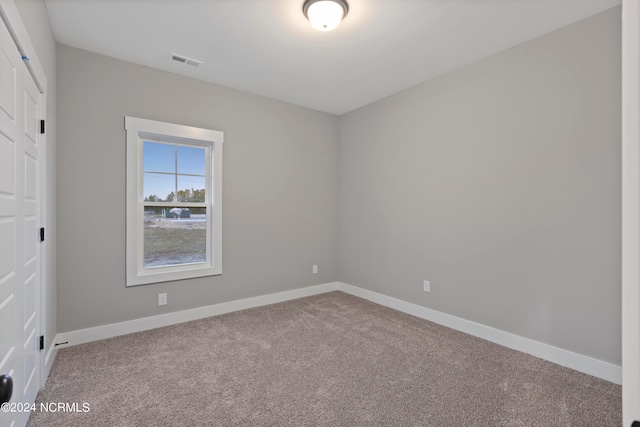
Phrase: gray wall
x=36 y=20
x=279 y=189
x=499 y=183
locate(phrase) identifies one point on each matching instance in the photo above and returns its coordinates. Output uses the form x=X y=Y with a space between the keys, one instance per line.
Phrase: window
x=174 y=188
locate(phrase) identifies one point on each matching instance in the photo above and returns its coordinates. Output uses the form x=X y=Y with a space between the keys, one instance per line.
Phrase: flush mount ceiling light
x=325 y=15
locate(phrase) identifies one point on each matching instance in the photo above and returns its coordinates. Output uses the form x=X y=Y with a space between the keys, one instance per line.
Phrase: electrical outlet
x=162 y=299
x=315 y=269
x=427 y=286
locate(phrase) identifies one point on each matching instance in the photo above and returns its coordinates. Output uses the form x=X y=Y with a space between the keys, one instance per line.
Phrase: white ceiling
x=267 y=47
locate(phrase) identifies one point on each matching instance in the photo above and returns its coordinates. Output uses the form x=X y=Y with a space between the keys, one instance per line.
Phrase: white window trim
x=140 y=130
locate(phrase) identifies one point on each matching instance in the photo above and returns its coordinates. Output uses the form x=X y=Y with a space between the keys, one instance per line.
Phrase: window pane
x=159 y=157
x=191 y=188
x=159 y=187
x=174 y=236
x=191 y=160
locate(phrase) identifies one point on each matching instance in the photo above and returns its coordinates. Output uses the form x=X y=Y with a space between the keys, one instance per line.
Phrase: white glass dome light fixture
x=325 y=15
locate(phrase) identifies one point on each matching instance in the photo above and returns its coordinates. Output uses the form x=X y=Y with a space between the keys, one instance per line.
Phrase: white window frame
x=141 y=130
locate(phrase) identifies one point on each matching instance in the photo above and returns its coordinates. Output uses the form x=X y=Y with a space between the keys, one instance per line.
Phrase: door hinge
x=42 y=234
x=41 y=342
x=41 y=126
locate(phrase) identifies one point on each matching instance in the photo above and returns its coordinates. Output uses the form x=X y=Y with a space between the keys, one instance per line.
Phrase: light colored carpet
x=326 y=360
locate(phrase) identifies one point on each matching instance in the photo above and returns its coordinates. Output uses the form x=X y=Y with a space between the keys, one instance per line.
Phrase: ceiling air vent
x=185 y=60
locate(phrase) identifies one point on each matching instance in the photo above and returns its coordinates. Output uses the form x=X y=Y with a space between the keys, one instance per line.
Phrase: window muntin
x=173 y=201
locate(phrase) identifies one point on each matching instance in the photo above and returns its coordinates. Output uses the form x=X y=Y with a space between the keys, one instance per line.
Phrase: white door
x=19 y=222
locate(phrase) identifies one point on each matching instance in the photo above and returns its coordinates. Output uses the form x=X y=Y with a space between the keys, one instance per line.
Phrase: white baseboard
x=569 y=359
x=82 y=336
x=578 y=362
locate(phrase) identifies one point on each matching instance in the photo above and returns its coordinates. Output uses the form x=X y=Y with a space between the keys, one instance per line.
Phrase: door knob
x=6 y=388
